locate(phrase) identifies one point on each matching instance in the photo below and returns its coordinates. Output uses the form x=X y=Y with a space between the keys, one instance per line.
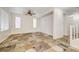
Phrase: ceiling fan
x=29 y=13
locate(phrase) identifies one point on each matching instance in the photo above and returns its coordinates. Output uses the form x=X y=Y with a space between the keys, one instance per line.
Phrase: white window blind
x=18 y=22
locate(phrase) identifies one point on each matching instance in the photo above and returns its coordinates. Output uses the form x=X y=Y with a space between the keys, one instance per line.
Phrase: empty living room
x=39 y=29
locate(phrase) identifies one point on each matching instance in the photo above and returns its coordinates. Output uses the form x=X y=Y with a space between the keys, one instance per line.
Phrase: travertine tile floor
x=35 y=42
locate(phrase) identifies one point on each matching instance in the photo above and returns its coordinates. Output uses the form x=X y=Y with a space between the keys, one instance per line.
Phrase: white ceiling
x=41 y=10
x=71 y=10
x=21 y=10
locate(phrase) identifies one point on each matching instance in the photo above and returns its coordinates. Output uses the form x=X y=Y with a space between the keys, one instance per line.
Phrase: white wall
x=6 y=33
x=26 y=24
x=58 y=23
x=75 y=18
x=46 y=24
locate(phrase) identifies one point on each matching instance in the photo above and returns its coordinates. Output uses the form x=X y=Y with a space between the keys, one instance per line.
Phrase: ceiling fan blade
x=30 y=13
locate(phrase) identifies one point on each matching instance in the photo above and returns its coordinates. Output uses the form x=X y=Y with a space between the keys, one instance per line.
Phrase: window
x=34 y=22
x=4 y=20
x=18 y=22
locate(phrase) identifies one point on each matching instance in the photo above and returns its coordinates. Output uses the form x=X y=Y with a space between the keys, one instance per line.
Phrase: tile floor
x=35 y=42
